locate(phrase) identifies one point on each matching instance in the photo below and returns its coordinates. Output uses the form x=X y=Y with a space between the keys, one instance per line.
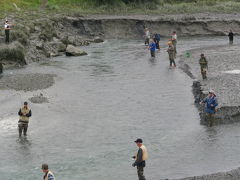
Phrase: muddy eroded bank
x=40 y=36
x=133 y=26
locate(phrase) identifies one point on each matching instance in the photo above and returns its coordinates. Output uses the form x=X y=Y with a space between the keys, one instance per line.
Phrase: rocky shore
x=229 y=175
x=223 y=77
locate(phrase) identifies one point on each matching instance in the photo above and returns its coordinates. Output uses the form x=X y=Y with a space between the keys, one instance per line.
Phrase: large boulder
x=75 y=40
x=74 y=51
x=58 y=46
x=98 y=40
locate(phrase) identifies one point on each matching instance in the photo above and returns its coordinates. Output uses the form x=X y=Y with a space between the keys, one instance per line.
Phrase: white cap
x=211 y=91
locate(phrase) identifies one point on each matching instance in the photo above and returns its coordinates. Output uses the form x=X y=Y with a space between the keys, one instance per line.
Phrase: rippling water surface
x=100 y=104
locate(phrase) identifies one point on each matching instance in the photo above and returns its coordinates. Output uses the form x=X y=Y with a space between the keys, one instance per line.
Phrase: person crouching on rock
x=24 y=113
x=152 y=48
x=171 y=53
x=204 y=66
x=210 y=107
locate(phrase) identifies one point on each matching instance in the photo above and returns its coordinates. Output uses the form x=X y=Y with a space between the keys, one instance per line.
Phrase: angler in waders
x=152 y=48
x=24 y=114
x=147 y=36
x=171 y=53
x=230 y=36
x=7 y=28
x=157 y=39
x=48 y=175
x=204 y=66
x=210 y=107
x=140 y=159
x=174 y=42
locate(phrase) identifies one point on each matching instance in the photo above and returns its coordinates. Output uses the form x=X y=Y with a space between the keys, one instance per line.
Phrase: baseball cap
x=139 y=141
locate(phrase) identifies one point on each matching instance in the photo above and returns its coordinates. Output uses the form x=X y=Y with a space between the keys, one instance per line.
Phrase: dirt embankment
x=38 y=36
x=133 y=26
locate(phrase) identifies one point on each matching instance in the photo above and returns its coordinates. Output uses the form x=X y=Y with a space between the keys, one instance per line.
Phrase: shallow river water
x=100 y=104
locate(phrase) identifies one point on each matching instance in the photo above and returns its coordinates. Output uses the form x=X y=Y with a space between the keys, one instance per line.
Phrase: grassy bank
x=120 y=7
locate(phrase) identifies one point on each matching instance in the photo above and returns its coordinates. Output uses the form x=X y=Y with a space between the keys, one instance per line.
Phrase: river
x=100 y=104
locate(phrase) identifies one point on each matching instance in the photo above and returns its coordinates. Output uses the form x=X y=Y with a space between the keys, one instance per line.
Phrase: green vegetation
x=123 y=6
x=15 y=54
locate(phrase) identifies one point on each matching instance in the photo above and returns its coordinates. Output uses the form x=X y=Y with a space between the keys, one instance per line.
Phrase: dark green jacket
x=203 y=62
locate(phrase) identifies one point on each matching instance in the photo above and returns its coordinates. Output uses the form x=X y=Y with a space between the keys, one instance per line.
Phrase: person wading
x=7 y=28
x=171 y=53
x=157 y=40
x=210 y=107
x=140 y=159
x=174 y=42
x=152 y=48
x=204 y=66
x=147 y=36
x=230 y=36
x=48 y=175
x=24 y=113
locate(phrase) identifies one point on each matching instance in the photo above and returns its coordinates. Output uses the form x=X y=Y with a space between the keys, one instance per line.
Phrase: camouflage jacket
x=203 y=62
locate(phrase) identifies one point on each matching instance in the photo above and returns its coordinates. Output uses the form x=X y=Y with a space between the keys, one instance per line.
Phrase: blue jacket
x=152 y=46
x=157 y=37
x=211 y=104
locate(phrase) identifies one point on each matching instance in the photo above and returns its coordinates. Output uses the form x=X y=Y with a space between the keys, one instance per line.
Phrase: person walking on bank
x=147 y=36
x=152 y=48
x=7 y=28
x=24 y=113
x=204 y=66
x=171 y=53
x=230 y=36
x=140 y=159
x=48 y=175
x=174 y=42
x=210 y=107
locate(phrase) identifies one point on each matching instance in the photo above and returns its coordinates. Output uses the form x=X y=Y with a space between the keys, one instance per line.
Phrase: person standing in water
x=157 y=40
x=171 y=53
x=24 y=114
x=147 y=36
x=230 y=36
x=210 y=107
x=48 y=175
x=140 y=159
x=174 y=42
x=7 y=28
x=152 y=48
